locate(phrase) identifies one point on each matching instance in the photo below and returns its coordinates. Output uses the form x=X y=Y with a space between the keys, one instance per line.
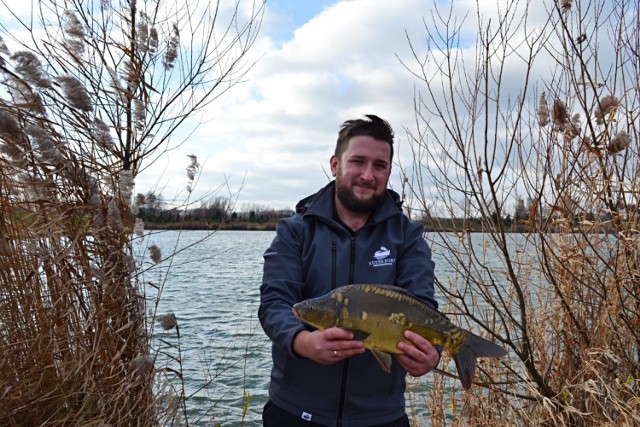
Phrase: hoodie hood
x=322 y=204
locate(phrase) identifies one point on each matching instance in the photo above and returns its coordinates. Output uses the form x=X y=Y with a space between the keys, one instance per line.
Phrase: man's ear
x=333 y=162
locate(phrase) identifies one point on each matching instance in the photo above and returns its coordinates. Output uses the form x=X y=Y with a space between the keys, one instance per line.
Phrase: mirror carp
x=378 y=315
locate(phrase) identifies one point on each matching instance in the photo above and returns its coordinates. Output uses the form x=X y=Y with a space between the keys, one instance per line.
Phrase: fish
x=378 y=315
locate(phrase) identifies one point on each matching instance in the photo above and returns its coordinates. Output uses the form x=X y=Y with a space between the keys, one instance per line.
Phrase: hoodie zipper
x=345 y=363
x=334 y=260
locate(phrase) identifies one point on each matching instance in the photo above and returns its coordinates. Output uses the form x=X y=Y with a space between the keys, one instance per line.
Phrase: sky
x=267 y=142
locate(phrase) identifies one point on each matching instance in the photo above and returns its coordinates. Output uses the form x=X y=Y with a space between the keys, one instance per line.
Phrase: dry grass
x=583 y=321
x=563 y=296
x=566 y=304
x=93 y=94
x=73 y=331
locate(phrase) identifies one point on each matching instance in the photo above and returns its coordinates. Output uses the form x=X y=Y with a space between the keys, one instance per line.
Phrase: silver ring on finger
x=335 y=353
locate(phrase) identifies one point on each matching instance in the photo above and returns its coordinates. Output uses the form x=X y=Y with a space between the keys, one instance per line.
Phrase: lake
x=212 y=286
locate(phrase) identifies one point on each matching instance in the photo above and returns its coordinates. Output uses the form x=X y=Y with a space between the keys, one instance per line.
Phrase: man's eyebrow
x=362 y=157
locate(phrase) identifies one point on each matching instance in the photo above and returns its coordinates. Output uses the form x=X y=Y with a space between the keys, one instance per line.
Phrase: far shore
x=445 y=225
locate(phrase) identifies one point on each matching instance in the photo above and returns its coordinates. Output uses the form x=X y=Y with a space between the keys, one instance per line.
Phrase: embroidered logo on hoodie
x=381 y=258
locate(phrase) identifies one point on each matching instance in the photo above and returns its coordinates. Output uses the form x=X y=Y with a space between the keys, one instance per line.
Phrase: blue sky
x=294 y=14
x=266 y=142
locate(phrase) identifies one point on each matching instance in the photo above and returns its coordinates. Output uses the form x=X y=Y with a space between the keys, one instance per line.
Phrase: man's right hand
x=326 y=347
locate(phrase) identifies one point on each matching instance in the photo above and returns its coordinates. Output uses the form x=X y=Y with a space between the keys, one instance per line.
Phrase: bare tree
x=544 y=108
x=93 y=92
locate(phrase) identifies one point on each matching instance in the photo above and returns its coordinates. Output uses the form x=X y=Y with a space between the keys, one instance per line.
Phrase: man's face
x=362 y=173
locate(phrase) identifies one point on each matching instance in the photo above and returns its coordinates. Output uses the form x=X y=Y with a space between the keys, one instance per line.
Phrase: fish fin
x=474 y=346
x=483 y=348
x=359 y=335
x=466 y=365
x=383 y=359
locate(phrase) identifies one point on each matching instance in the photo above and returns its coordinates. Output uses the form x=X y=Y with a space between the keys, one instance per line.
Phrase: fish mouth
x=296 y=312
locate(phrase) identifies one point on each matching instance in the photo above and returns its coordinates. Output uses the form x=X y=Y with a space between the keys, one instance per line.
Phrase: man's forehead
x=378 y=150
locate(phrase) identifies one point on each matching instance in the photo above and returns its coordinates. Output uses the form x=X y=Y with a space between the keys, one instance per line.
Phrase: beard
x=354 y=203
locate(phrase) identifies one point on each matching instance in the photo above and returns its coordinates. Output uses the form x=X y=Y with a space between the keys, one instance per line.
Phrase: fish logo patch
x=381 y=258
x=382 y=253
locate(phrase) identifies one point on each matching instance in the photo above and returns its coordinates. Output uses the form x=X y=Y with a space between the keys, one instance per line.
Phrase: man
x=326 y=377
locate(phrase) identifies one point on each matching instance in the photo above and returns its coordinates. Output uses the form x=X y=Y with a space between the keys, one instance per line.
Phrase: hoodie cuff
x=439 y=350
x=293 y=339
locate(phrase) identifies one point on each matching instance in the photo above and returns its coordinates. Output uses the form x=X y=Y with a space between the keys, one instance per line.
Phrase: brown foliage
x=563 y=295
x=70 y=308
x=74 y=132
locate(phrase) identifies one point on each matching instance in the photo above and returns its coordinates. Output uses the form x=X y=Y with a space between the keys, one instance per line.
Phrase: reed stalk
x=547 y=162
x=88 y=101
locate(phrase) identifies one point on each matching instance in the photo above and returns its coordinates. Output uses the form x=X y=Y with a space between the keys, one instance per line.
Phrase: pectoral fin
x=383 y=359
x=359 y=335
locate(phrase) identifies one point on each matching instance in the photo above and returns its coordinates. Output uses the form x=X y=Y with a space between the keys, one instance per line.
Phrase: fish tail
x=466 y=365
x=465 y=359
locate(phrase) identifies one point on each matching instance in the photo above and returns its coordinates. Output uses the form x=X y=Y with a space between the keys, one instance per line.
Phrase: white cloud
x=273 y=133
x=278 y=130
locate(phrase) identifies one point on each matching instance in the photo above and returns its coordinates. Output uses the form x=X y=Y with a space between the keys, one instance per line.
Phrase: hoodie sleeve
x=416 y=268
x=282 y=285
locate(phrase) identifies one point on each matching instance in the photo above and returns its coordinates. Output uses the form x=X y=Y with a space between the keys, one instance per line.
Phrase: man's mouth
x=366 y=187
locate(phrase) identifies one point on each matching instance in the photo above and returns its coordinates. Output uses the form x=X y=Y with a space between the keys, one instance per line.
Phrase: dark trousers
x=273 y=416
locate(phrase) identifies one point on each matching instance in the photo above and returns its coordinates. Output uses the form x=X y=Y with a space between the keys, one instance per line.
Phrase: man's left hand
x=420 y=356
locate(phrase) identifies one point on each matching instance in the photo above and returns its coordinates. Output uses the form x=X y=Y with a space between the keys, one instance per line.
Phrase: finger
x=419 y=355
x=337 y=334
x=345 y=349
x=419 y=345
x=410 y=350
x=342 y=349
x=329 y=356
x=408 y=364
x=414 y=367
x=419 y=341
x=335 y=356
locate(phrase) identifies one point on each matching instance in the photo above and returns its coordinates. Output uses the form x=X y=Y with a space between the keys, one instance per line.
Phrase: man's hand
x=419 y=358
x=328 y=346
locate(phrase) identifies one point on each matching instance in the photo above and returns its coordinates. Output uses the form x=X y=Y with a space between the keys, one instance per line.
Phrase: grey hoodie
x=312 y=254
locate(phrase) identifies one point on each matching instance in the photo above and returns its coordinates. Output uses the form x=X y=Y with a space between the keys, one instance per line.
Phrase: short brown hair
x=372 y=126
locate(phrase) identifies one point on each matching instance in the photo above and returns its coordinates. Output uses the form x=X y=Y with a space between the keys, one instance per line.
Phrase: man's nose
x=368 y=173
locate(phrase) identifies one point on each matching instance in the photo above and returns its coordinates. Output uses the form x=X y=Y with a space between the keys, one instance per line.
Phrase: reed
x=89 y=100
x=70 y=306
x=563 y=293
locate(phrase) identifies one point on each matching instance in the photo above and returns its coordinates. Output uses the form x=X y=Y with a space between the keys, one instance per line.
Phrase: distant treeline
x=211 y=219
x=216 y=218
x=221 y=213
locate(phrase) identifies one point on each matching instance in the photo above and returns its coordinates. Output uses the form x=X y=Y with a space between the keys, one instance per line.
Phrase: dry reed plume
x=84 y=106
x=555 y=158
x=70 y=307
